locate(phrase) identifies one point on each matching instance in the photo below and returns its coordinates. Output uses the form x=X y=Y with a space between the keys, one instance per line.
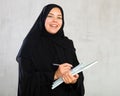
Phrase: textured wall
x=94 y=26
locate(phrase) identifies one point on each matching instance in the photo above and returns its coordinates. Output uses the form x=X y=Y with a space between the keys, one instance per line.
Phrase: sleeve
x=30 y=80
x=79 y=85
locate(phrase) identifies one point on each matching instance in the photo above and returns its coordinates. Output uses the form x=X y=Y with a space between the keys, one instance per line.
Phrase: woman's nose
x=55 y=19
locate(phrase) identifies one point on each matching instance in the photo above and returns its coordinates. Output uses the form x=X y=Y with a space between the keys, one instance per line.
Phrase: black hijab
x=38 y=31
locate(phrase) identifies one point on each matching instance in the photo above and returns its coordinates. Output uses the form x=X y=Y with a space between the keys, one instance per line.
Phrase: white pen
x=56 y=64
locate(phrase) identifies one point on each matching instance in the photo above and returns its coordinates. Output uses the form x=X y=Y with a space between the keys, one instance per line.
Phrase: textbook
x=79 y=68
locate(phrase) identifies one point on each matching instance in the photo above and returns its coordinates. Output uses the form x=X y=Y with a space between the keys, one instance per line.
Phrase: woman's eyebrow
x=51 y=13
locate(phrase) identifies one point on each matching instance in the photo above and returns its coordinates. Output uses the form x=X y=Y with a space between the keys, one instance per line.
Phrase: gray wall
x=93 y=25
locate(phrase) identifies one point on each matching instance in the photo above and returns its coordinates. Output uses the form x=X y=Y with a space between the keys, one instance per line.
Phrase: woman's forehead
x=55 y=11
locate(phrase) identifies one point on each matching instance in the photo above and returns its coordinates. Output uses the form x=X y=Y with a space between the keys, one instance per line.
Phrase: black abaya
x=40 y=50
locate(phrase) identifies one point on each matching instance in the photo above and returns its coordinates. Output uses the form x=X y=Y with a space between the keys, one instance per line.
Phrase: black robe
x=39 y=51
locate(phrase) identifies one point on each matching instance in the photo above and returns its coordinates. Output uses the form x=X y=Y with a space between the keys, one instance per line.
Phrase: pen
x=56 y=64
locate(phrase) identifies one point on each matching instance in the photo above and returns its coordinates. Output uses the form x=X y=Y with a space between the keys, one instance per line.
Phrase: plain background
x=93 y=25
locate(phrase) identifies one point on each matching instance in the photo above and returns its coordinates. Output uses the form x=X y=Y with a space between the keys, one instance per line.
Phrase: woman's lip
x=53 y=25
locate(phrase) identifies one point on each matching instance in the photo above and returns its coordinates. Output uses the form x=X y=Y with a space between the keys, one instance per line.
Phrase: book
x=77 y=69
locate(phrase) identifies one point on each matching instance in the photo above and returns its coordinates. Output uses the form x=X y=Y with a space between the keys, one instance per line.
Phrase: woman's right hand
x=62 y=69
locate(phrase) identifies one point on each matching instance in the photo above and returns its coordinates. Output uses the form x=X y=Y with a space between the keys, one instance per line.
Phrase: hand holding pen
x=62 y=69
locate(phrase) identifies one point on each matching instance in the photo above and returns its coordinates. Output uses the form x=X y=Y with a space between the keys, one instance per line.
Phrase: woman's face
x=53 y=21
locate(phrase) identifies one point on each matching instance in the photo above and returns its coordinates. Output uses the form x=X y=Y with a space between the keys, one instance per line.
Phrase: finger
x=70 y=79
x=64 y=68
x=66 y=65
x=67 y=78
x=76 y=76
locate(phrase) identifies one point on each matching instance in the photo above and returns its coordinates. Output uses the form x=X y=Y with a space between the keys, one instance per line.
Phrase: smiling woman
x=44 y=46
x=53 y=21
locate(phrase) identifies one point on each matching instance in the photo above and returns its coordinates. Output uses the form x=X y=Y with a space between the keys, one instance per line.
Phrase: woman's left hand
x=68 y=78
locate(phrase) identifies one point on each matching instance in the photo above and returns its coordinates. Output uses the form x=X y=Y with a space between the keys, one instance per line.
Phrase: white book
x=79 y=68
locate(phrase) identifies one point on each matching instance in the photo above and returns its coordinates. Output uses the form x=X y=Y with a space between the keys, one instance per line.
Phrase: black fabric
x=39 y=51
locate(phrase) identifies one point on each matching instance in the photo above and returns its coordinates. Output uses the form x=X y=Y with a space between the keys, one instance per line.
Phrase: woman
x=44 y=46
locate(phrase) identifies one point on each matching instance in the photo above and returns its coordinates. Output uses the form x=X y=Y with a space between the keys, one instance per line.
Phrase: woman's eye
x=59 y=17
x=49 y=16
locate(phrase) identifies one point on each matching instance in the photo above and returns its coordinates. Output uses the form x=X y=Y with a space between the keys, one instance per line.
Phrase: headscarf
x=38 y=31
